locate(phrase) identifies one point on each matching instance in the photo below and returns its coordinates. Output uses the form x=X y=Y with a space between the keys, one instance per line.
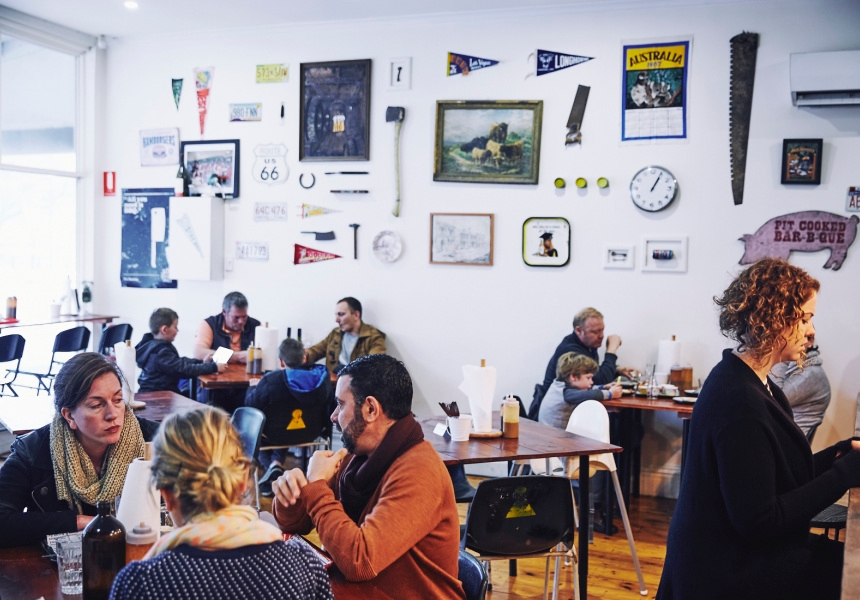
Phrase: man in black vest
x=233 y=329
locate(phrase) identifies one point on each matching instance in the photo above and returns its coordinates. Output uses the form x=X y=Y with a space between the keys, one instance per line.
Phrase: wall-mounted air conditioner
x=825 y=78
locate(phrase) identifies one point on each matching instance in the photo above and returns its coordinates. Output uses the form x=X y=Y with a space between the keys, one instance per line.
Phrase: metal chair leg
x=623 y=510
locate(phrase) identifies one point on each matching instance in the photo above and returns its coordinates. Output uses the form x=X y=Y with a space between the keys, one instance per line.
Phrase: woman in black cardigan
x=751 y=484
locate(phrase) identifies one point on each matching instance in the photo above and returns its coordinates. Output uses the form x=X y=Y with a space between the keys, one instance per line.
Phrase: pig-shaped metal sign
x=807 y=231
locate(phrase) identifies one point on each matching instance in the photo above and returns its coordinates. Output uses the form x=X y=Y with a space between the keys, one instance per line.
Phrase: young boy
x=573 y=385
x=160 y=363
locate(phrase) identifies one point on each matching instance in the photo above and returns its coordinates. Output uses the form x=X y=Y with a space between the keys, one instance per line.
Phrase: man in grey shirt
x=807 y=390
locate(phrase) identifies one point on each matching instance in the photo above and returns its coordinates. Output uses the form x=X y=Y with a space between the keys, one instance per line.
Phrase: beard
x=353 y=430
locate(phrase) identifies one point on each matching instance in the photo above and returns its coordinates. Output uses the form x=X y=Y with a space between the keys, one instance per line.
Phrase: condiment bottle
x=102 y=553
x=138 y=541
x=510 y=418
x=258 y=361
x=249 y=362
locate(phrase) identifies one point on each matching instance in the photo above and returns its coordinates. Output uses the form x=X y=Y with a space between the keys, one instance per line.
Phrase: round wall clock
x=653 y=188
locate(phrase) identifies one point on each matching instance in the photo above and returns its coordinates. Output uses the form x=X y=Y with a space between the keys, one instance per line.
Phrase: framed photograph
x=618 y=256
x=335 y=110
x=488 y=141
x=461 y=239
x=546 y=241
x=666 y=254
x=212 y=167
x=801 y=161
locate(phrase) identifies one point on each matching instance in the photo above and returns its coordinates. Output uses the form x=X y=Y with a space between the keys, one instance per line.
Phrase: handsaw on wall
x=744 y=47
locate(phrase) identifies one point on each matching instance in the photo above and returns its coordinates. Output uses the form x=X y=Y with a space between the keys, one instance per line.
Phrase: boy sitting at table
x=161 y=366
x=572 y=386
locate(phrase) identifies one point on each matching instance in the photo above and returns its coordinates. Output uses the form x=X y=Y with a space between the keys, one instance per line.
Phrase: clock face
x=653 y=188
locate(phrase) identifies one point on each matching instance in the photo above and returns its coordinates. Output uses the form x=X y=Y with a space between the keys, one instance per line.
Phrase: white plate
x=387 y=246
x=684 y=400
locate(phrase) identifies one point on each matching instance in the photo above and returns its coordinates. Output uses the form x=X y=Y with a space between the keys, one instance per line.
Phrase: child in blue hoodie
x=297 y=401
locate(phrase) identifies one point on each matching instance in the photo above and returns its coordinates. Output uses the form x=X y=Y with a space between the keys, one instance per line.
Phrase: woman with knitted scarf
x=219 y=548
x=59 y=472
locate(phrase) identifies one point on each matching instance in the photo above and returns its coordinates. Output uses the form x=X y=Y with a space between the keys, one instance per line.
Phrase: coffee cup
x=669 y=389
x=459 y=428
x=55 y=310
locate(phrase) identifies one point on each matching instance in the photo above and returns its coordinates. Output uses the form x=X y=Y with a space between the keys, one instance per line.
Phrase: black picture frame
x=334 y=110
x=546 y=241
x=212 y=168
x=802 y=161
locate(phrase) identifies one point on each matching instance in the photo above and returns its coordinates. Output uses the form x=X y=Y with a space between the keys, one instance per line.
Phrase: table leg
x=584 y=495
x=685 y=439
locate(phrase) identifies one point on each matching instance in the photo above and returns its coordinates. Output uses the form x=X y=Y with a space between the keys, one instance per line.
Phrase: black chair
x=11 y=349
x=833 y=517
x=523 y=517
x=292 y=424
x=113 y=335
x=249 y=423
x=472 y=575
x=75 y=339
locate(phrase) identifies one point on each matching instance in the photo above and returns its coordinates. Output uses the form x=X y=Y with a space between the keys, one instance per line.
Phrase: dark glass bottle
x=102 y=553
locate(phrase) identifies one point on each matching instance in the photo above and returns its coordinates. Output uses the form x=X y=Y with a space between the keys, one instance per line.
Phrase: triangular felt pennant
x=309 y=210
x=304 y=255
x=550 y=62
x=463 y=63
x=203 y=81
x=177 y=90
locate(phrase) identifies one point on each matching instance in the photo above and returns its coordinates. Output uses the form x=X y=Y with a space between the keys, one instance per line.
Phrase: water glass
x=69 y=564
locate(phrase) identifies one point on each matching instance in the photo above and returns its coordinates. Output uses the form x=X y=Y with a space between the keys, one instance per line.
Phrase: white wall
x=441 y=317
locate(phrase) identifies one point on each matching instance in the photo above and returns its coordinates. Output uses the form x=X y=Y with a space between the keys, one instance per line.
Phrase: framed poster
x=546 y=241
x=801 y=161
x=212 y=167
x=335 y=110
x=488 y=141
x=461 y=239
x=145 y=235
x=159 y=147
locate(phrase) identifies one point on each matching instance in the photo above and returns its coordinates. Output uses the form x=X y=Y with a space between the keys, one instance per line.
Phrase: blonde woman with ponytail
x=221 y=548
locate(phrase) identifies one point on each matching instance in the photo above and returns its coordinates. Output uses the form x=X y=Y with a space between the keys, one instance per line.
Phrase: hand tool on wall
x=354 y=240
x=321 y=235
x=744 y=47
x=577 y=112
x=396 y=114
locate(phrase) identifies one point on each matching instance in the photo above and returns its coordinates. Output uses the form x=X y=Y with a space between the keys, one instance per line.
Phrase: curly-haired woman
x=751 y=484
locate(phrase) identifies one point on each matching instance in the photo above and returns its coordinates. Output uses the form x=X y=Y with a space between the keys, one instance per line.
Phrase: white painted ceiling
x=111 y=18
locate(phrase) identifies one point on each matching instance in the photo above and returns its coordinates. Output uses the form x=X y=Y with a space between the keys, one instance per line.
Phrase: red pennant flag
x=202 y=105
x=304 y=255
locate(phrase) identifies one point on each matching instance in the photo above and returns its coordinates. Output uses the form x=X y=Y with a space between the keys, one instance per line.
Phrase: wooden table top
x=28 y=412
x=61 y=319
x=851 y=566
x=684 y=409
x=25 y=574
x=234 y=377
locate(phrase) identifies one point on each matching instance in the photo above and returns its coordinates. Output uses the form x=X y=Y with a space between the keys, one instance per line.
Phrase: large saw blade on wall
x=743 y=47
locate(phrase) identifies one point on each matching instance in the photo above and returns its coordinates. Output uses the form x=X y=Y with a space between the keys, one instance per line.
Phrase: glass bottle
x=249 y=361
x=102 y=553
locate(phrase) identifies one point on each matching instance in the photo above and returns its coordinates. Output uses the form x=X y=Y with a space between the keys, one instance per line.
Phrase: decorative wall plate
x=387 y=246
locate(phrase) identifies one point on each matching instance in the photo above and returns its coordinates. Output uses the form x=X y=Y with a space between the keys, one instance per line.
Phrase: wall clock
x=653 y=188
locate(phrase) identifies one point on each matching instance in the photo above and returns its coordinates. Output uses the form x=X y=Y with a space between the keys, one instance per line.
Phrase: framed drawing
x=335 y=110
x=546 y=241
x=488 y=141
x=618 y=256
x=461 y=239
x=801 y=161
x=212 y=167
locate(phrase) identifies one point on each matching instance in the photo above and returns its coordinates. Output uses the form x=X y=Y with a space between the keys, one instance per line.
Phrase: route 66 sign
x=270 y=163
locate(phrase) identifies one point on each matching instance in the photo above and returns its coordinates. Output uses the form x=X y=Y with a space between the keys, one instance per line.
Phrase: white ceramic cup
x=55 y=310
x=662 y=378
x=460 y=427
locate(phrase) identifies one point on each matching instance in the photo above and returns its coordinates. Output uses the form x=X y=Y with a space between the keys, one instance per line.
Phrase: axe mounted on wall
x=396 y=114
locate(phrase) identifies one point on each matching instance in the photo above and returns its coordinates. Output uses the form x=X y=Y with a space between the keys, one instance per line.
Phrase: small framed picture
x=212 y=167
x=546 y=241
x=400 y=73
x=619 y=256
x=801 y=161
x=461 y=239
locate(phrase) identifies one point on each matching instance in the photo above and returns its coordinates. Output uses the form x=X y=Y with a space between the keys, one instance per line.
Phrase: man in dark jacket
x=297 y=402
x=161 y=366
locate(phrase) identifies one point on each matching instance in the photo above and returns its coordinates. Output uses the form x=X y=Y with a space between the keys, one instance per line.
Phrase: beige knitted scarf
x=77 y=480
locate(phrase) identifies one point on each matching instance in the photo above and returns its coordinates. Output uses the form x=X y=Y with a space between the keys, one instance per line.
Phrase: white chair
x=591 y=420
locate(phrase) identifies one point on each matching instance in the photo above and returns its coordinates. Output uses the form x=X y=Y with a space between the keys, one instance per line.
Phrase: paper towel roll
x=126 y=361
x=479 y=385
x=668 y=354
x=139 y=502
x=267 y=339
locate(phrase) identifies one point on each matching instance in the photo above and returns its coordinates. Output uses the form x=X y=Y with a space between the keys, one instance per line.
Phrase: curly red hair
x=762 y=303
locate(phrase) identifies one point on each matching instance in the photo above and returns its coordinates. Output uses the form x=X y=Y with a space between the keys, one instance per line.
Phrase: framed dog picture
x=461 y=239
x=487 y=141
x=335 y=111
x=546 y=241
x=801 y=161
x=212 y=167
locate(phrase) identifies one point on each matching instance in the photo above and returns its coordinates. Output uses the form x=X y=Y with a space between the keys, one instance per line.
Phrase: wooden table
x=234 y=377
x=25 y=574
x=25 y=413
x=536 y=441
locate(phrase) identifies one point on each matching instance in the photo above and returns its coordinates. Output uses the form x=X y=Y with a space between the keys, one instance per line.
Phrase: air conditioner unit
x=825 y=78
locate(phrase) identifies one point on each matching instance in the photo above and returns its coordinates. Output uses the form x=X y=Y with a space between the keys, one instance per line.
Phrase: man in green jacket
x=349 y=340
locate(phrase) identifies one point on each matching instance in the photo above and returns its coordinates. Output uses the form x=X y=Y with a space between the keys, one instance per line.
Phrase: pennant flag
x=463 y=63
x=304 y=255
x=309 y=210
x=203 y=81
x=177 y=91
x=550 y=62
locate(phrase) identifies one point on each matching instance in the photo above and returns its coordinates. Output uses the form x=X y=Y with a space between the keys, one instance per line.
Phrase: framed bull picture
x=488 y=141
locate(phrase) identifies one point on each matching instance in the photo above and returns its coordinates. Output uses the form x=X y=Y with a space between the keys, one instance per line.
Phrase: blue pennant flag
x=463 y=63
x=550 y=62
